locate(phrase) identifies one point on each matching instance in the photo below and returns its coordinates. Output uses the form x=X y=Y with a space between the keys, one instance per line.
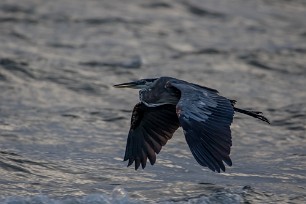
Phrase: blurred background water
x=63 y=127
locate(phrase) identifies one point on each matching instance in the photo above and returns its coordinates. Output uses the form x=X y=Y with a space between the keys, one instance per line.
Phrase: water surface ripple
x=63 y=127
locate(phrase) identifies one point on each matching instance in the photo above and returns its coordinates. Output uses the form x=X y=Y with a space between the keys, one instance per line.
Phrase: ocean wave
x=118 y=196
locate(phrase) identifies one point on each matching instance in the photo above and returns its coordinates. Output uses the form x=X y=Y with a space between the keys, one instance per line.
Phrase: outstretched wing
x=151 y=128
x=205 y=117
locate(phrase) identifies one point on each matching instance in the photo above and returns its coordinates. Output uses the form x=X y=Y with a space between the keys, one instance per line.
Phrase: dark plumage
x=167 y=103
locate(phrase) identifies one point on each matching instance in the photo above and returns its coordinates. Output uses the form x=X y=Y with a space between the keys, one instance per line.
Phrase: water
x=63 y=127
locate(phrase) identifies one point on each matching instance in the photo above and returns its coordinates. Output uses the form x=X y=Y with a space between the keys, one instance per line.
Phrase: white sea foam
x=118 y=196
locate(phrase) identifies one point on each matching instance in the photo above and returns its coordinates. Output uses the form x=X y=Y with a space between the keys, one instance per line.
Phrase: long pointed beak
x=133 y=85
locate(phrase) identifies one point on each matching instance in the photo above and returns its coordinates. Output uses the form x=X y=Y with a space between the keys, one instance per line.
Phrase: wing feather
x=205 y=117
x=151 y=128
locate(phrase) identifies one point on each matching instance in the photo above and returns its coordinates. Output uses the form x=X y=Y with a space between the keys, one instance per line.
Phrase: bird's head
x=139 y=84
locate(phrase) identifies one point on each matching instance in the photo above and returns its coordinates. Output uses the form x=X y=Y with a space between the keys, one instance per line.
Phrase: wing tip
x=217 y=166
x=139 y=162
x=143 y=165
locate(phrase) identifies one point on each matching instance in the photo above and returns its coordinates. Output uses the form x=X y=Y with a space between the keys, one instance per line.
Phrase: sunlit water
x=63 y=127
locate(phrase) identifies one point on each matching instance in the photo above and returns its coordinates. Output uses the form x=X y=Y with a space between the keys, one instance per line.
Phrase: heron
x=168 y=103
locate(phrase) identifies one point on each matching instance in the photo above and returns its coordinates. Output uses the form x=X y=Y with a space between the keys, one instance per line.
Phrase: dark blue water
x=63 y=127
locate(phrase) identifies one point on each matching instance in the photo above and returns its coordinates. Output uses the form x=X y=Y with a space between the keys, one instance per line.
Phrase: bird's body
x=166 y=104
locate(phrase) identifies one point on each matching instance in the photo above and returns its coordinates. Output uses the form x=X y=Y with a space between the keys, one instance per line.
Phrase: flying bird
x=166 y=104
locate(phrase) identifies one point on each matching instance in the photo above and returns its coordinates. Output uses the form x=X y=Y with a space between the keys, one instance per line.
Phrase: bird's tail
x=255 y=114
